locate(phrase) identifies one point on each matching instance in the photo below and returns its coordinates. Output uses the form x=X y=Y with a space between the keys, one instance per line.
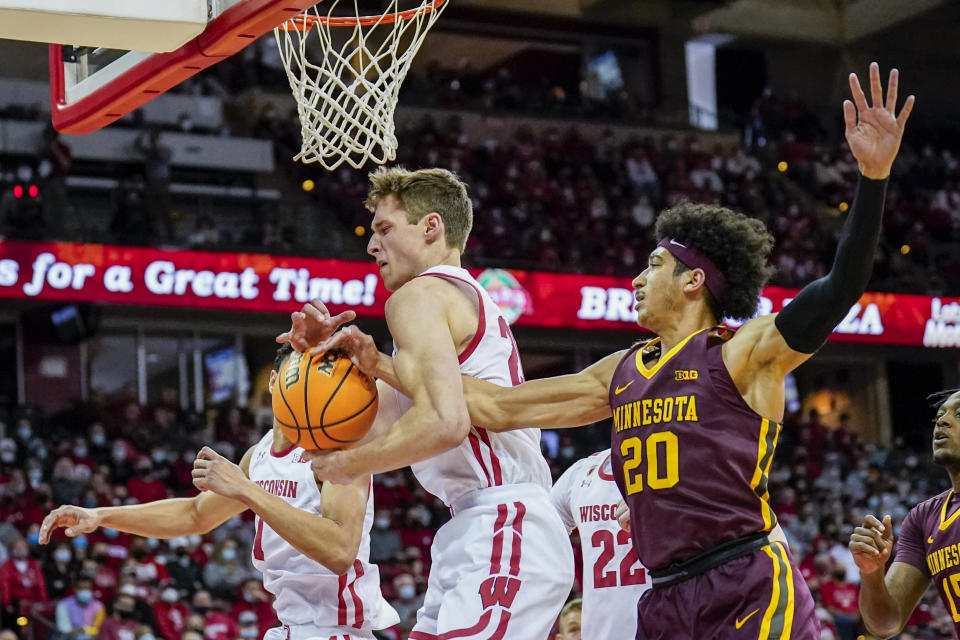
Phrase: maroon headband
x=716 y=282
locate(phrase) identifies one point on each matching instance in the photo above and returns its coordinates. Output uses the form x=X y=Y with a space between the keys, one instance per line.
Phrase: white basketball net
x=346 y=99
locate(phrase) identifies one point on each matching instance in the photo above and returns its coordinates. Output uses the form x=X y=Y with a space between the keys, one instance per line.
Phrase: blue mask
x=110 y=533
x=84 y=596
x=33 y=538
x=80 y=542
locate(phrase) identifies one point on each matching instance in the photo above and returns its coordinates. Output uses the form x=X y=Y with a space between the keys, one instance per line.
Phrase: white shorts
x=309 y=632
x=502 y=568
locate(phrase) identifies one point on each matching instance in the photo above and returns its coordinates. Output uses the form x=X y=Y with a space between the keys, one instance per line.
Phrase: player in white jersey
x=312 y=541
x=502 y=566
x=586 y=498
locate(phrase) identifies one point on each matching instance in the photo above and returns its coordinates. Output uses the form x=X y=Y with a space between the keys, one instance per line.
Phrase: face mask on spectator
x=90 y=503
x=249 y=632
x=81 y=452
x=8 y=456
x=229 y=555
x=25 y=432
x=33 y=537
x=152 y=543
x=406 y=591
x=119 y=454
x=62 y=555
x=169 y=595
x=84 y=595
x=159 y=456
x=98 y=439
x=110 y=533
x=147 y=636
x=80 y=542
x=34 y=477
x=381 y=523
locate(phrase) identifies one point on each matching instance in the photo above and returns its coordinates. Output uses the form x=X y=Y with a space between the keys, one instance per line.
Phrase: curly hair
x=938 y=398
x=739 y=246
x=284 y=352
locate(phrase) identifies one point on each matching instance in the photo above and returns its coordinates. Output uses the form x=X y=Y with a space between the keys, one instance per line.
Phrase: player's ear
x=433 y=227
x=693 y=279
x=273 y=378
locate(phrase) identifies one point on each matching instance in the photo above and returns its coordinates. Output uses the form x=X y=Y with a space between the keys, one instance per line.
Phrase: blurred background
x=574 y=122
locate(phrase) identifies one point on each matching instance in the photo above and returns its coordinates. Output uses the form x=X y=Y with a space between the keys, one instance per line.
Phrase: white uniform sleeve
x=561 y=495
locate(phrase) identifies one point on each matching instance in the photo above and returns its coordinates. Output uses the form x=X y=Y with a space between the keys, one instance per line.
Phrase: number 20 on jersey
x=642 y=462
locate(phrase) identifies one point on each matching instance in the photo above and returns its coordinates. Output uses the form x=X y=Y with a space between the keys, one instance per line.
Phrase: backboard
x=112 y=73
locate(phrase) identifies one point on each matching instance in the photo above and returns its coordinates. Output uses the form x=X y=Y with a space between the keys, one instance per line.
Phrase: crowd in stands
x=116 y=586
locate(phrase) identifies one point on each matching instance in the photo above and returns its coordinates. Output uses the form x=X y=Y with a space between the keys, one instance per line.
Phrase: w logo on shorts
x=499 y=590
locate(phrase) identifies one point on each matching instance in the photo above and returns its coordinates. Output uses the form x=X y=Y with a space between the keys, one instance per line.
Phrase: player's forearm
x=553 y=403
x=880 y=612
x=161 y=519
x=420 y=434
x=808 y=320
x=387 y=373
x=317 y=537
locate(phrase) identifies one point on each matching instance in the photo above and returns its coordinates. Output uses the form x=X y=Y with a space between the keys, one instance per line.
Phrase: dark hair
x=283 y=353
x=938 y=398
x=739 y=247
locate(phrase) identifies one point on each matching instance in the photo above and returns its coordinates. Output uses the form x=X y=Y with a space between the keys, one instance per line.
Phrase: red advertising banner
x=123 y=275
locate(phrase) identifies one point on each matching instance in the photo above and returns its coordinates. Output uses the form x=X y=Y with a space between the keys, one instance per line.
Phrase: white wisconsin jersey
x=586 y=498
x=306 y=592
x=483 y=459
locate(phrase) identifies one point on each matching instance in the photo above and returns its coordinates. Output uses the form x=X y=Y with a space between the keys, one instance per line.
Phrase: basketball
x=323 y=401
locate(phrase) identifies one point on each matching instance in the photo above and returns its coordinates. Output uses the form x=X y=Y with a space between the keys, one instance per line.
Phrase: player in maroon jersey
x=928 y=547
x=696 y=411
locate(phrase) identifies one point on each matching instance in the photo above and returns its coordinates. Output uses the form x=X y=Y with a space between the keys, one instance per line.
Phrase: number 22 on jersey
x=658 y=474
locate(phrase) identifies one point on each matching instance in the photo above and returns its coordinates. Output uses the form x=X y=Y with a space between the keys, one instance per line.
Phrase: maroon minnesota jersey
x=930 y=541
x=690 y=457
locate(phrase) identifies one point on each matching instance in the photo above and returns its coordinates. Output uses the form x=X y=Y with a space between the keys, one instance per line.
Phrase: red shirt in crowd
x=23 y=580
x=116 y=629
x=840 y=596
x=171 y=618
x=146 y=490
x=220 y=626
x=266 y=616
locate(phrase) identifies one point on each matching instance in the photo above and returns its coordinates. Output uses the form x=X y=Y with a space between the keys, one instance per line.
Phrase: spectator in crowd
x=385 y=542
x=408 y=601
x=255 y=599
x=157 y=182
x=217 y=625
x=60 y=571
x=121 y=624
x=79 y=616
x=224 y=573
x=248 y=626
x=839 y=598
x=21 y=581
x=170 y=612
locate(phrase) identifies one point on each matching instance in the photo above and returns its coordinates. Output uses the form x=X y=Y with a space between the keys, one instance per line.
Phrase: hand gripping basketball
x=871 y=544
x=312 y=325
x=356 y=345
x=77 y=520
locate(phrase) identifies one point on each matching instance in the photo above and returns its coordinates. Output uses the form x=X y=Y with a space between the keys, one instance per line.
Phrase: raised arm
x=554 y=403
x=332 y=539
x=780 y=343
x=161 y=519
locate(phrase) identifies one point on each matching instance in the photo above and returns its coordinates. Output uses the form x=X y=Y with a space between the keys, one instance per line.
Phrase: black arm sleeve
x=811 y=316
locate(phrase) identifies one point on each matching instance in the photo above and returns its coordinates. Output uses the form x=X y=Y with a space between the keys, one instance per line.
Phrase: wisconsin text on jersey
x=646 y=411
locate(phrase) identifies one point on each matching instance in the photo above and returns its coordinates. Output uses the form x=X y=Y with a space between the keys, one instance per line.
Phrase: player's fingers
x=283 y=337
x=888 y=528
x=343 y=317
x=893 y=84
x=872 y=521
x=859 y=546
x=876 y=89
x=206 y=453
x=905 y=112
x=871 y=532
x=857 y=93
x=849 y=115
x=318 y=304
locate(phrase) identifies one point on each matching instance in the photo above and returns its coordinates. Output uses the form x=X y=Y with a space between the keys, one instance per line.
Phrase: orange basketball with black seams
x=323 y=401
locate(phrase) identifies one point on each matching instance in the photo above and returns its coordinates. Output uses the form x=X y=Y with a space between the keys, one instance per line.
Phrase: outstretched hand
x=312 y=325
x=874 y=132
x=871 y=544
x=356 y=345
x=77 y=521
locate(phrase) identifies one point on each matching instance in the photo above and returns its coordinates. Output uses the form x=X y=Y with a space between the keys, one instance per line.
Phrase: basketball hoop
x=346 y=98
